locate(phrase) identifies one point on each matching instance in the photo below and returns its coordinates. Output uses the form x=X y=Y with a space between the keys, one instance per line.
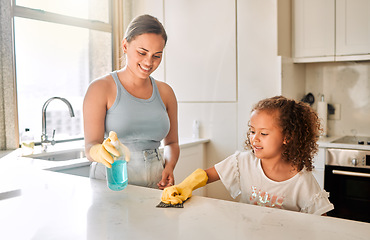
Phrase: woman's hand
x=167 y=178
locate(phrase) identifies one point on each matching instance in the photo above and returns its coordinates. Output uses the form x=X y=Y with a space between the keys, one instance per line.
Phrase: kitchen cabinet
x=331 y=30
x=319 y=166
x=352 y=28
x=313 y=29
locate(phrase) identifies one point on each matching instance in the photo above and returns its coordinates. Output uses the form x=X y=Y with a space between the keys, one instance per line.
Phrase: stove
x=347 y=178
x=353 y=140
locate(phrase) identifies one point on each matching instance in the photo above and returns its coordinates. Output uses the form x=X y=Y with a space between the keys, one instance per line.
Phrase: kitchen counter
x=327 y=142
x=38 y=204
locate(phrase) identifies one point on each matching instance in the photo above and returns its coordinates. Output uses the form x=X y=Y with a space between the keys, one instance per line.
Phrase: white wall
x=259 y=67
x=347 y=84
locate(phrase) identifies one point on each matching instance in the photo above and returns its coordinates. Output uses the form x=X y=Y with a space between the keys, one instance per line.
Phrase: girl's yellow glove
x=179 y=193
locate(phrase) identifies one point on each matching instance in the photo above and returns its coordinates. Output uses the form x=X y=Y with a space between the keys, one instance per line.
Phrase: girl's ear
x=285 y=141
x=124 y=45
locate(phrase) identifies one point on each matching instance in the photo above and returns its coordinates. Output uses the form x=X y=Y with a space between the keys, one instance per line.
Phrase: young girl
x=275 y=171
x=141 y=110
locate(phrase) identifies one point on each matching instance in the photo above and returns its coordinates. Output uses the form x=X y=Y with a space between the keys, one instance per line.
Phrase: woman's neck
x=138 y=87
x=127 y=77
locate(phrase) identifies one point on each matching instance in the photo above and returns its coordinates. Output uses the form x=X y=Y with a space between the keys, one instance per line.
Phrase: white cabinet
x=319 y=166
x=352 y=27
x=314 y=31
x=331 y=30
x=200 y=55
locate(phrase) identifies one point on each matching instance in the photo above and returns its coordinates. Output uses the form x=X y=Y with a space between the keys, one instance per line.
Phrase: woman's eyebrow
x=146 y=50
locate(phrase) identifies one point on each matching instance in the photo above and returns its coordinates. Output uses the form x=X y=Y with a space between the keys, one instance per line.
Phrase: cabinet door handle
x=356 y=174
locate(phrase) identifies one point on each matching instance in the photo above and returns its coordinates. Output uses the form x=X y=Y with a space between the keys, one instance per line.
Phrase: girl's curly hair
x=300 y=127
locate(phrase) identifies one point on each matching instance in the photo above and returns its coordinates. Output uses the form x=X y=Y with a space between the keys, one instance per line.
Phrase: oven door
x=349 y=189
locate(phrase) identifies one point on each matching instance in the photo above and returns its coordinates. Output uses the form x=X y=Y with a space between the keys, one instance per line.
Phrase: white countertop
x=39 y=204
x=326 y=142
x=46 y=205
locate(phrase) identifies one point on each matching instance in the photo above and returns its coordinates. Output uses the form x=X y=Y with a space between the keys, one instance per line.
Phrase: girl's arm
x=212 y=175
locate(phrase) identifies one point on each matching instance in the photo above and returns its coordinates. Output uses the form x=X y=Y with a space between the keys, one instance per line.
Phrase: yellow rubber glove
x=179 y=193
x=109 y=151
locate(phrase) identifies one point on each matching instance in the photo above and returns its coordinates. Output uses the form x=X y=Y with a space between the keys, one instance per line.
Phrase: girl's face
x=143 y=53
x=266 y=136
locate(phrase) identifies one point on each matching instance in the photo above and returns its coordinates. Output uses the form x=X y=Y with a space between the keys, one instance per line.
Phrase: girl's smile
x=266 y=135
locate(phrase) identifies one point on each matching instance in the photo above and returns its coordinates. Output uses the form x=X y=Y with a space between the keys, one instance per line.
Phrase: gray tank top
x=140 y=124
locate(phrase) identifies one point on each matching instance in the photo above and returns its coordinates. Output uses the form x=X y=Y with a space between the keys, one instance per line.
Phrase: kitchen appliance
x=347 y=179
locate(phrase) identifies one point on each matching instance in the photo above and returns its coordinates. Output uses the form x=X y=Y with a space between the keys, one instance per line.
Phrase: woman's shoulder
x=163 y=87
x=100 y=89
x=166 y=92
x=104 y=82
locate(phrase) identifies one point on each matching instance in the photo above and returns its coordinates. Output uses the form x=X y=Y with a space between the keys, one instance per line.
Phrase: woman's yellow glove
x=109 y=151
x=179 y=193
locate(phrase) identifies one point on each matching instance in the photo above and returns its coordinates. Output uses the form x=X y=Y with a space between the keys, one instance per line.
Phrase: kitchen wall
x=347 y=84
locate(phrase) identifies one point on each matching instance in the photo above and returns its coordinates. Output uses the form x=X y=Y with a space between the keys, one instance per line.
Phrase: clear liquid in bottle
x=27 y=142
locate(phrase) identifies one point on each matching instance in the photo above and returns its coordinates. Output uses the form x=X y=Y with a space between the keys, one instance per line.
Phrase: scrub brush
x=169 y=205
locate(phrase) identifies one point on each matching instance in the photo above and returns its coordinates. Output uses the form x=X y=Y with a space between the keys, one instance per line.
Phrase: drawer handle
x=356 y=174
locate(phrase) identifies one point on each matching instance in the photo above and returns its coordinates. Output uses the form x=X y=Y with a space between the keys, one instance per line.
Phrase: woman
x=141 y=110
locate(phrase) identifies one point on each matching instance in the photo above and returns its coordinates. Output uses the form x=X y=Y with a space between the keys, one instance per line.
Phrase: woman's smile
x=145 y=69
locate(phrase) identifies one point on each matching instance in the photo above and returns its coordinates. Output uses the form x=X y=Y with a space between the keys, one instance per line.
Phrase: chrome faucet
x=44 y=137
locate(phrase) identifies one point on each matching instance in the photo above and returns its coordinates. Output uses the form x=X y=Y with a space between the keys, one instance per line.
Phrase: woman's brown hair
x=145 y=24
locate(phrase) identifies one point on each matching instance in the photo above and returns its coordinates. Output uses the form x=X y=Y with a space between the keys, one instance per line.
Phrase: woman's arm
x=94 y=111
x=171 y=142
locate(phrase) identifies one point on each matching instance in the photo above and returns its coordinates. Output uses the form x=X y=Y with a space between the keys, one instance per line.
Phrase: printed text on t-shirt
x=262 y=198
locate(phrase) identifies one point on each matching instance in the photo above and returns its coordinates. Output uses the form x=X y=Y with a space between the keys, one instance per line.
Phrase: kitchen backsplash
x=347 y=84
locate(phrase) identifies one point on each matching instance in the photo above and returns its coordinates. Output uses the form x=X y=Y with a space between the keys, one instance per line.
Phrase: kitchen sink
x=60 y=155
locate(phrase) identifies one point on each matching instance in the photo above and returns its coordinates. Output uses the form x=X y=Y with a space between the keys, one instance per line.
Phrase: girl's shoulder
x=307 y=180
x=245 y=159
x=246 y=155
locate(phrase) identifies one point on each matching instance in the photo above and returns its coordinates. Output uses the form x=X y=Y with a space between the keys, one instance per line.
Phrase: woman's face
x=266 y=136
x=143 y=53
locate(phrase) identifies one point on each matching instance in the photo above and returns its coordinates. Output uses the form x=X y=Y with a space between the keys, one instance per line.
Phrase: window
x=60 y=47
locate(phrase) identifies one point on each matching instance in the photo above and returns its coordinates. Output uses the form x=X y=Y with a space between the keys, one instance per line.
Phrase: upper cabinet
x=353 y=28
x=331 y=30
x=313 y=29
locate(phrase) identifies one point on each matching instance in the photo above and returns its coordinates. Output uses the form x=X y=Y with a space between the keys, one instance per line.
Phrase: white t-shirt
x=242 y=173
